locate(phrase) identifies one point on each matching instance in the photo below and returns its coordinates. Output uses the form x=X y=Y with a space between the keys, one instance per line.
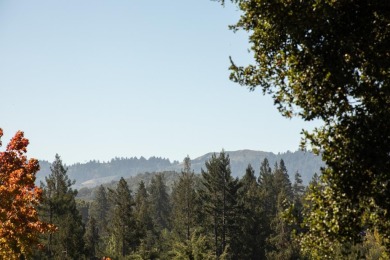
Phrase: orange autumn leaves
x=19 y=223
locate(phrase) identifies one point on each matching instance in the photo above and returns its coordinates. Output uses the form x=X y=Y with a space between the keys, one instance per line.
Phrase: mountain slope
x=95 y=173
x=306 y=163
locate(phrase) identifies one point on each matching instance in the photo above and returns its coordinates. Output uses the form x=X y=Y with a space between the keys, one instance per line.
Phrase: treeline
x=94 y=173
x=207 y=216
x=105 y=170
x=88 y=194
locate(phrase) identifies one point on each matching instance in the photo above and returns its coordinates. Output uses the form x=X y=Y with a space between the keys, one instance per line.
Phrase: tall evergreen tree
x=297 y=207
x=298 y=187
x=279 y=242
x=265 y=172
x=142 y=210
x=99 y=211
x=267 y=198
x=281 y=246
x=282 y=181
x=145 y=227
x=266 y=184
x=220 y=201
x=160 y=207
x=184 y=202
x=91 y=238
x=83 y=207
x=59 y=208
x=160 y=202
x=251 y=227
x=122 y=229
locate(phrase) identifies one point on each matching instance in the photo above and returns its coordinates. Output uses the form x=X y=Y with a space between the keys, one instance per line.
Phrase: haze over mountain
x=94 y=173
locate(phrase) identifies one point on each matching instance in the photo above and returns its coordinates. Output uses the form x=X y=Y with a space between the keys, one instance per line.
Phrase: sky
x=98 y=79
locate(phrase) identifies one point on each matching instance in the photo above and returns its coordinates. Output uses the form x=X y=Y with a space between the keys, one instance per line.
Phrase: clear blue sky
x=97 y=79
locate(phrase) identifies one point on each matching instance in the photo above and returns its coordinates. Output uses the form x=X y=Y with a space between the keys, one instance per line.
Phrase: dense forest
x=211 y=215
x=206 y=216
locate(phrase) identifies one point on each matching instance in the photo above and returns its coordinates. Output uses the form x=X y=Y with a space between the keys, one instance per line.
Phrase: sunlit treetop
x=318 y=59
x=19 y=223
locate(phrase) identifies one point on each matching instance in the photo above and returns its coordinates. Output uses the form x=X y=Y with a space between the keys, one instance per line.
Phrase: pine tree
x=59 y=208
x=267 y=199
x=123 y=225
x=142 y=210
x=99 y=211
x=184 y=202
x=160 y=210
x=160 y=203
x=282 y=180
x=280 y=244
x=252 y=214
x=220 y=201
x=297 y=207
x=298 y=187
x=145 y=227
x=91 y=238
x=266 y=185
x=83 y=208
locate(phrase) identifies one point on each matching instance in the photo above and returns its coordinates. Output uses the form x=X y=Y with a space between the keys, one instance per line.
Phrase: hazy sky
x=93 y=79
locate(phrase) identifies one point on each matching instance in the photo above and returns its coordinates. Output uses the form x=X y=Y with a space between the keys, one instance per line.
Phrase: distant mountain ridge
x=306 y=163
x=94 y=173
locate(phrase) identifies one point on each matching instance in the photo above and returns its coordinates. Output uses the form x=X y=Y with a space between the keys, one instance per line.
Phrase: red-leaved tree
x=19 y=196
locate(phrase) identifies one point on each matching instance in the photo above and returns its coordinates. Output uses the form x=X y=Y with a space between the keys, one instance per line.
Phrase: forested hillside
x=94 y=173
x=166 y=215
x=306 y=163
x=170 y=215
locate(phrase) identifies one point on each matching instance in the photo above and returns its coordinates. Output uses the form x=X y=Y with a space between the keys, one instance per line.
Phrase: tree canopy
x=19 y=196
x=58 y=207
x=329 y=60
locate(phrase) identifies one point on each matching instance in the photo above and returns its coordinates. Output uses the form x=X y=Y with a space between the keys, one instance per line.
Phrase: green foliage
x=331 y=219
x=159 y=202
x=298 y=188
x=252 y=237
x=374 y=246
x=99 y=211
x=91 y=238
x=122 y=226
x=278 y=195
x=268 y=201
x=196 y=248
x=219 y=199
x=282 y=180
x=185 y=202
x=59 y=208
x=281 y=243
x=142 y=211
x=251 y=218
x=294 y=213
x=329 y=60
x=371 y=248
